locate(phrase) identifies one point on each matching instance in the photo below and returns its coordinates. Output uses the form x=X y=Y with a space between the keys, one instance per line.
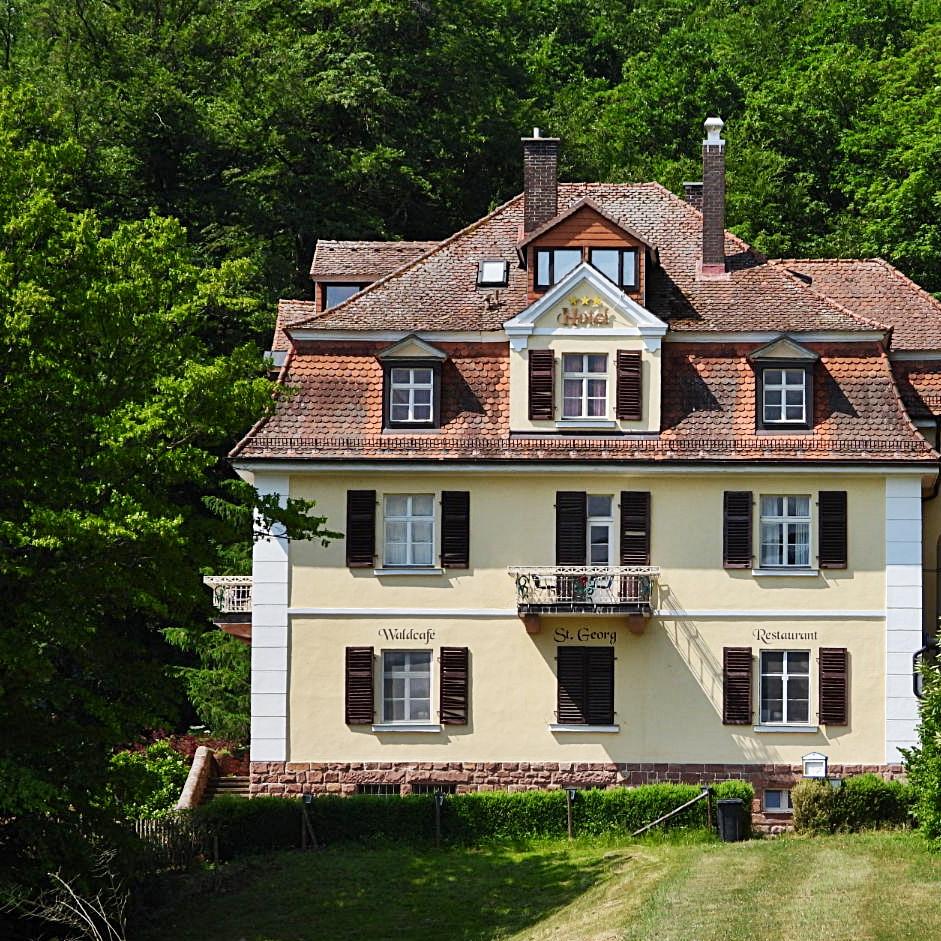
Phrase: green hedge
x=864 y=802
x=265 y=823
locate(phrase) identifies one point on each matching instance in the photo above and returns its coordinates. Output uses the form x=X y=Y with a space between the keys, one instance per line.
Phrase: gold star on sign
x=586 y=301
x=573 y=300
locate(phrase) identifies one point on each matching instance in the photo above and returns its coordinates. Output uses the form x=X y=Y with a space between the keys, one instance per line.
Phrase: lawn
x=881 y=886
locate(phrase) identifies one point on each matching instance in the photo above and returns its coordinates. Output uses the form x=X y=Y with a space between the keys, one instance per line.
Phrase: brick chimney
x=693 y=194
x=713 y=199
x=540 y=180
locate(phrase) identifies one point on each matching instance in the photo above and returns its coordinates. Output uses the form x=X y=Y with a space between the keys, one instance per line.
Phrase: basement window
x=379 y=790
x=777 y=801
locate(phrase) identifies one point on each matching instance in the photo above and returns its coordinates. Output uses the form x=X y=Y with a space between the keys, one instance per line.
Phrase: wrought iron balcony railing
x=596 y=589
x=231 y=594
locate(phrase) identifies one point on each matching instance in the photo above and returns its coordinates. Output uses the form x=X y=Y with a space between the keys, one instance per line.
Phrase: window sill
x=411 y=727
x=593 y=729
x=797 y=729
x=416 y=570
x=786 y=573
x=778 y=813
x=588 y=423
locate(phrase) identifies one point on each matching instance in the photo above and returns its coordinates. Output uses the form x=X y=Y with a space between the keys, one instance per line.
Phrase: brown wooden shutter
x=360 y=528
x=736 y=529
x=360 y=709
x=630 y=394
x=541 y=385
x=455 y=675
x=599 y=683
x=570 y=672
x=833 y=662
x=736 y=685
x=635 y=527
x=455 y=529
x=831 y=550
x=571 y=527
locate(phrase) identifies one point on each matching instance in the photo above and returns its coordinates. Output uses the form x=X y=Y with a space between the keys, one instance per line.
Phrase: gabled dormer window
x=411 y=395
x=616 y=264
x=784 y=396
x=412 y=384
x=334 y=294
x=553 y=264
x=784 y=385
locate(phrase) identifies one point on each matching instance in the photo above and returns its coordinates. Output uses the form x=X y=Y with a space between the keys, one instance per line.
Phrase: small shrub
x=923 y=762
x=147 y=783
x=864 y=802
x=813 y=807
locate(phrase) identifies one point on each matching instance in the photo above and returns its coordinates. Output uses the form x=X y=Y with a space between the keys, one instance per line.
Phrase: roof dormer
x=584 y=233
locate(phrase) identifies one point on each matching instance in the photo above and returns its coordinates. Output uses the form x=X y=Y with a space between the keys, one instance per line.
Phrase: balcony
x=232 y=598
x=584 y=589
x=231 y=594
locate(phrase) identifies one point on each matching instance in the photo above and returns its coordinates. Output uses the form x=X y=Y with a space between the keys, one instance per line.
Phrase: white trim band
x=729 y=613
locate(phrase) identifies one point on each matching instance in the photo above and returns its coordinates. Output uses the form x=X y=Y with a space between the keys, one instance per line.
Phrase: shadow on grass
x=382 y=893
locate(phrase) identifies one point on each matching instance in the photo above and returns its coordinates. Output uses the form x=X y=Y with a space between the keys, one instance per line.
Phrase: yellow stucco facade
x=668 y=679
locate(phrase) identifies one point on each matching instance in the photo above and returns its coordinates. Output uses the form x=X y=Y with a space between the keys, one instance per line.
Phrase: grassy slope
x=878 y=886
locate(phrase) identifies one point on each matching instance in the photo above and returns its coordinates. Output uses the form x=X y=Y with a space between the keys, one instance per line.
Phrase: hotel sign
x=585 y=312
x=583 y=635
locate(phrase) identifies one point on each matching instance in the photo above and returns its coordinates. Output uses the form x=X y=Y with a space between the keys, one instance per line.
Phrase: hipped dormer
x=585 y=359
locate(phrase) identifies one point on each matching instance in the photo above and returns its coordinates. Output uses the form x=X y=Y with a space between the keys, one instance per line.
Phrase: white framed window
x=411 y=395
x=784 y=396
x=584 y=385
x=777 y=801
x=409 y=525
x=406 y=686
x=600 y=529
x=785 y=532
x=785 y=687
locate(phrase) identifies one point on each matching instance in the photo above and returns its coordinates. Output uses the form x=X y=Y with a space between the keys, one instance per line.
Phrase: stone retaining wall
x=280 y=778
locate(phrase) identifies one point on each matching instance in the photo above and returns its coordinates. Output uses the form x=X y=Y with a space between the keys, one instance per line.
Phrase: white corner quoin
x=903 y=615
x=270 y=557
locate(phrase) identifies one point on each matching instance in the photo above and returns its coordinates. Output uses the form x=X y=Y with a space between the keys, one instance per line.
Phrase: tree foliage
x=923 y=761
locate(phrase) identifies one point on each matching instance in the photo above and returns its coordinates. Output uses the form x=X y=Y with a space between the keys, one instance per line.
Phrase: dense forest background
x=166 y=167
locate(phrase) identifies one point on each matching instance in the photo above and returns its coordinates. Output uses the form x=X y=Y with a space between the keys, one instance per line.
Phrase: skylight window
x=493 y=273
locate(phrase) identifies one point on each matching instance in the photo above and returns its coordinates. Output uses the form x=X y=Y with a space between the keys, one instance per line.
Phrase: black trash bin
x=731 y=829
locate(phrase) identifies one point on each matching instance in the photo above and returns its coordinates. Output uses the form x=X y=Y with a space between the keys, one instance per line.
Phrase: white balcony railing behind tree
x=583 y=586
x=231 y=594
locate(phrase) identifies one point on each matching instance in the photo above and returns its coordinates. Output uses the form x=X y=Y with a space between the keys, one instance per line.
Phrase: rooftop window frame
x=388 y=365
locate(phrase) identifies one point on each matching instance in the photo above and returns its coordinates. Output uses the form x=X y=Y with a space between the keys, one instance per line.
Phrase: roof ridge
x=411 y=264
x=908 y=282
x=831 y=301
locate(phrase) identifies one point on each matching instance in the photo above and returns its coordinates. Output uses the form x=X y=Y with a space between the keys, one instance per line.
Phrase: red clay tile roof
x=875 y=289
x=919 y=384
x=708 y=411
x=362 y=261
x=439 y=291
x=290 y=312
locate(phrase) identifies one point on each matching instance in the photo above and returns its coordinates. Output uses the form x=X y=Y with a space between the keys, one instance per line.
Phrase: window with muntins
x=409 y=523
x=784 y=396
x=584 y=385
x=406 y=686
x=600 y=529
x=553 y=264
x=616 y=264
x=785 y=687
x=785 y=532
x=411 y=395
